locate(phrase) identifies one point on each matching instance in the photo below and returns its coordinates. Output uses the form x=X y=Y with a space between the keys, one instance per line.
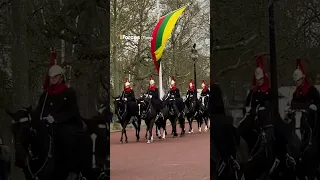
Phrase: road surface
x=181 y=158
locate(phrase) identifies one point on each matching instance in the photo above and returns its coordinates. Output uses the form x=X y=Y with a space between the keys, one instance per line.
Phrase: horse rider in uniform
x=153 y=93
x=128 y=96
x=191 y=92
x=258 y=104
x=204 y=93
x=175 y=92
x=306 y=93
x=58 y=103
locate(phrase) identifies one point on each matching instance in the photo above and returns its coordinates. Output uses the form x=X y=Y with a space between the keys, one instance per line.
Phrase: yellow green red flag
x=161 y=34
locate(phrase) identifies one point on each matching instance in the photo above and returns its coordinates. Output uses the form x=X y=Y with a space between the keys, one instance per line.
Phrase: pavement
x=180 y=158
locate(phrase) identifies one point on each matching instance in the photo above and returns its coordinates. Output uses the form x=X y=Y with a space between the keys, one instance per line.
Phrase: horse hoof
x=163 y=138
x=121 y=142
x=126 y=141
x=137 y=140
x=159 y=137
x=148 y=142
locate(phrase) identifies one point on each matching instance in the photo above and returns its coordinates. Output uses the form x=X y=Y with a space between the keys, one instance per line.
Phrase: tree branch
x=240 y=64
x=238 y=44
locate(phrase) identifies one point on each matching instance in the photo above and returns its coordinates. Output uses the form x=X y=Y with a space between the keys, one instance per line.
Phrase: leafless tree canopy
x=240 y=33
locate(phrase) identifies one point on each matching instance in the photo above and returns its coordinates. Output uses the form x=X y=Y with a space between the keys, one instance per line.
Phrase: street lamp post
x=194 y=56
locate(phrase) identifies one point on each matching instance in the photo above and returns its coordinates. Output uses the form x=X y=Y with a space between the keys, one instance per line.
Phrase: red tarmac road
x=181 y=158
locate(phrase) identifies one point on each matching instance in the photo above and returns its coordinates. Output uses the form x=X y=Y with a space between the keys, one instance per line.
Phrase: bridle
x=49 y=153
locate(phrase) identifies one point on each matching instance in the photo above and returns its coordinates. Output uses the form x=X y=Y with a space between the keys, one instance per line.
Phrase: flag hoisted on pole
x=52 y=62
x=160 y=35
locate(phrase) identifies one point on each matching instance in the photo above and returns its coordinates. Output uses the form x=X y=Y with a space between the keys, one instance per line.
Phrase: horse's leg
x=182 y=126
x=150 y=138
x=137 y=130
x=164 y=124
x=190 y=123
x=174 y=127
x=200 y=123
x=158 y=128
x=172 y=124
x=147 y=129
x=124 y=130
x=206 y=122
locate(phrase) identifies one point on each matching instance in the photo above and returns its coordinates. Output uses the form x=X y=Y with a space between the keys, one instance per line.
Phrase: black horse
x=203 y=112
x=5 y=161
x=148 y=114
x=99 y=130
x=175 y=114
x=229 y=152
x=125 y=114
x=191 y=104
x=301 y=159
x=34 y=142
x=258 y=130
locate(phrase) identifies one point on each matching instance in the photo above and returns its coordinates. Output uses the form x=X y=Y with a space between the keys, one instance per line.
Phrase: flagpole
x=160 y=68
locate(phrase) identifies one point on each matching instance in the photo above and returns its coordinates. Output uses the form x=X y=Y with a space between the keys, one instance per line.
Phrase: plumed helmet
x=299 y=72
x=55 y=70
x=203 y=84
x=127 y=83
x=191 y=83
x=151 y=82
x=173 y=82
x=258 y=73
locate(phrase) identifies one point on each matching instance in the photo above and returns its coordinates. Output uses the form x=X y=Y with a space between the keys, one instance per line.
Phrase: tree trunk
x=20 y=65
x=116 y=88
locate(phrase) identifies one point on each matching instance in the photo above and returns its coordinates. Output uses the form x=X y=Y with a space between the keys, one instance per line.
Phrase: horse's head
x=21 y=124
x=297 y=112
x=118 y=103
x=191 y=101
x=143 y=104
x=300 y=131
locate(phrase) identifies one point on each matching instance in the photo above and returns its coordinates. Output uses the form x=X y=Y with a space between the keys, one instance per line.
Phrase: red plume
x=153 y=87
x=192 y=87
x=51 y=63
x=305 y=88
x=260 y=62
x=205 y=86
x=265 y=87
x=172 y=78
x=124 y=85
x=299 y=66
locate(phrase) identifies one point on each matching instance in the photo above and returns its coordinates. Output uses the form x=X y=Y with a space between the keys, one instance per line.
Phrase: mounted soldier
x=128 y=96
x=176 y=107
x=305 y=93
x=257 y=128
x=192 y=105
x=153 y=93
x=191 y=90
x=58 y=104
x=204 y=100
x=303 y=145
x=174 y=92
x=126 y=108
